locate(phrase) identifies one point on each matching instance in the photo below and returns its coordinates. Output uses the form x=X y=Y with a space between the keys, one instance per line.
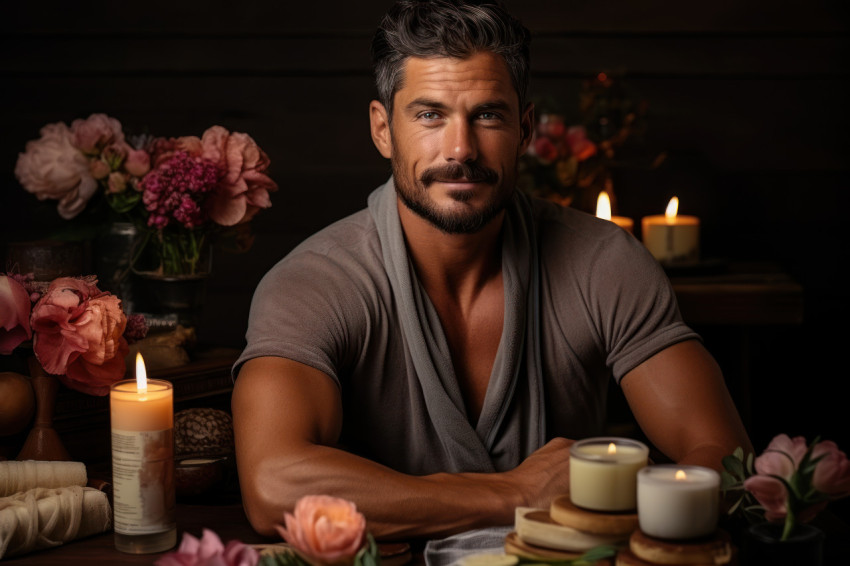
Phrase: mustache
x=470 y=171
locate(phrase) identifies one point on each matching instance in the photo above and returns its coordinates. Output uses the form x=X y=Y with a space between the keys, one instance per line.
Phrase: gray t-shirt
x=605 y=307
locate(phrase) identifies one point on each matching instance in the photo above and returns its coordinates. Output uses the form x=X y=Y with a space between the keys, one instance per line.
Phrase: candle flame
x=681 y=475
x=141 y=374
x=603 y=206
x=612 y=448
x=672 y=209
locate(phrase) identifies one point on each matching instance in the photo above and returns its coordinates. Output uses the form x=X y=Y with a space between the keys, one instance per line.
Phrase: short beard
x=416 y=197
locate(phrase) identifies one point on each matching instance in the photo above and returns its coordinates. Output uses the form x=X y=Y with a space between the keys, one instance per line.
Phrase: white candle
x=678 y=502
x=603 y=210
x=671 y=238
x=142 y=419
x=603 y=473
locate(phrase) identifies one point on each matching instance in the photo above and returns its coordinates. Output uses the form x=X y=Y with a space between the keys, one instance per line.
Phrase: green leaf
x=597 y=553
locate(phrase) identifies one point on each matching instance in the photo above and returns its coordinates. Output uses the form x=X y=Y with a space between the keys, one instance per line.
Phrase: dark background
x=748 y=98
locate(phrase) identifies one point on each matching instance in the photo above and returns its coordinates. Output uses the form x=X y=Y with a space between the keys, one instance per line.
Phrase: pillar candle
x=671 y=238
x=142 y=419
x=603 y=210
x=603 y=473
x=678 y=502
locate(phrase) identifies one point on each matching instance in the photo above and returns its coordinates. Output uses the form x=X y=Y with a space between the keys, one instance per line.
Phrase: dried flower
x=209 y=551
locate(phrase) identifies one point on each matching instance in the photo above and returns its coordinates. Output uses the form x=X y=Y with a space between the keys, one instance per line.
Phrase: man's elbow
x=263 y=508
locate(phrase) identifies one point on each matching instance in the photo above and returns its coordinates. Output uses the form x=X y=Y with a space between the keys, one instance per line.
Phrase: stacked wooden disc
x=564 y=531
x=644 y=550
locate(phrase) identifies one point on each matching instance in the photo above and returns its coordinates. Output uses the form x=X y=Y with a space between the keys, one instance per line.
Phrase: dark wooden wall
x=749 y=99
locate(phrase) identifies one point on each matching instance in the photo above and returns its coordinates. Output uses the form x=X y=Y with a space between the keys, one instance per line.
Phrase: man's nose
x=460 y=143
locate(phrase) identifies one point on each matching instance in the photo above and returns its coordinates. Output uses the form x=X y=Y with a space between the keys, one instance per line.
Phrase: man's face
x=456 y=136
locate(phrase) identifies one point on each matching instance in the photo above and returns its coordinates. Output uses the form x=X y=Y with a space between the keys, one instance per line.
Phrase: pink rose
x=79 y=335
x=326 y=530
x=117 y=182
x=14 y=314
x=245 y=188
x=545 y=149
x=580 y=145
x=96 y=132
x=99 y=169
x=138 y=162
x=52 y=168
x=209 y=551
x=832 y=474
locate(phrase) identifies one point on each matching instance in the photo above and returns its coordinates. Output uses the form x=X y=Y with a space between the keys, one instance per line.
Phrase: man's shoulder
x=555 y=222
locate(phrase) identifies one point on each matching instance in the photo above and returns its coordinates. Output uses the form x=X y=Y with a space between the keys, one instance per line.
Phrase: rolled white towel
x=48 y=517
x=18 y=476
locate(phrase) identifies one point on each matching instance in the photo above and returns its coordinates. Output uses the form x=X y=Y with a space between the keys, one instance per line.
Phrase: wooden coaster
x=516 y=547
x=564 y=512
x=536 y=527
x=716 y=549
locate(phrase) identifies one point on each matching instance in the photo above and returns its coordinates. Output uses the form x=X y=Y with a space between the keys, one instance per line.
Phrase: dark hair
x=447 y=28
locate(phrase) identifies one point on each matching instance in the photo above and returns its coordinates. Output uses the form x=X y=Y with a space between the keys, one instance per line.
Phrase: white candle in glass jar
x=678 y=502
x=603 y=473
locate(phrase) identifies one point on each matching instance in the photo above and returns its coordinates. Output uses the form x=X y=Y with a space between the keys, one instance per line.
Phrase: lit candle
x=142 y=418
x=603 y=473
x=678 y=502
x=603 y=210
x=672 y=238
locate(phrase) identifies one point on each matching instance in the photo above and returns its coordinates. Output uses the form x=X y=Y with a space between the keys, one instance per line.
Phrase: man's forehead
x=481 y=71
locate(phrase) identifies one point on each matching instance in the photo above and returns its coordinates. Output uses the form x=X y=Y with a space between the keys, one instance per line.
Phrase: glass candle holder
x=603 y=473
x=678 y=502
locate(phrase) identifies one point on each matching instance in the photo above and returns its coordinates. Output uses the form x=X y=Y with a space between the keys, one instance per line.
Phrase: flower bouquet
x=179 y=192
x=780 y=491
x=572 y=162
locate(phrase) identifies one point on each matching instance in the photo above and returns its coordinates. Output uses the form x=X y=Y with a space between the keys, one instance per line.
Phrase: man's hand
x=544 y=475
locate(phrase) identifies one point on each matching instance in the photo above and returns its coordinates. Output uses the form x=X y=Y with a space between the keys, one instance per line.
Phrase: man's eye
x=429 y=115
x=488 y=116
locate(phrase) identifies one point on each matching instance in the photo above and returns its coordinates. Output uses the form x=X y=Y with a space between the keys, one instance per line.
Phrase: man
x=429 y=357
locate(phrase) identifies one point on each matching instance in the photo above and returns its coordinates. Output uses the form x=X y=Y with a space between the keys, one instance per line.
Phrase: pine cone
x=203 y=432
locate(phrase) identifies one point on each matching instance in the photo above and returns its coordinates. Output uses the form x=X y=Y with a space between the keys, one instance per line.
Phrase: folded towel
x=17 y=476
x=47 y=517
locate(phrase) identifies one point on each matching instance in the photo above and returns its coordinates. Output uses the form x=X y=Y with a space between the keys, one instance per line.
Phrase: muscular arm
x=287 y=418
x=680 y=401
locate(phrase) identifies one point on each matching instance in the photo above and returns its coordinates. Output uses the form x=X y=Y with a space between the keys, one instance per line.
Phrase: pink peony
x=832 y=475
x=93 y=134
x=79 y=335
x=14 y=314
x=245 y=188
x=782 y=456
x=326 y=530
x=771 y=494
x=52 y=168
x=209 y=551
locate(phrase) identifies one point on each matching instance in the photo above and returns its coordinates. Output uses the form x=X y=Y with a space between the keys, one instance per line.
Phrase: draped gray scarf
x=512 y=421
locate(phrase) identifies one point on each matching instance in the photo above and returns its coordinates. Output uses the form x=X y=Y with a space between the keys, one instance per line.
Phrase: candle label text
x=143 y=481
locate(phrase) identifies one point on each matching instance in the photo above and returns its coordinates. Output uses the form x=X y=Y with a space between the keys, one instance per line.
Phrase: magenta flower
x=176 y=189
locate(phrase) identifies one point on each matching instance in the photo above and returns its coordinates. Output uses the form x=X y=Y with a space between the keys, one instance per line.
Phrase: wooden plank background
x=748 y=98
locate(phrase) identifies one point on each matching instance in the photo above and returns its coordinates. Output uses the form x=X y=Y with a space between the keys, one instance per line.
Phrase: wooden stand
x=564 y=512
x=644 y=550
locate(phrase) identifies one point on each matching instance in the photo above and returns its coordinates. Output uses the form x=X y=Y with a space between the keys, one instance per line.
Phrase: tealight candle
x=603 y=473
x=603 y=210
x=142 y=420
x=678 y=502
x=671 y=238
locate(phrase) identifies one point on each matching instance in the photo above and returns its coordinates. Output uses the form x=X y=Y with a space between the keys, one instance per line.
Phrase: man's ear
x=526 y=127
x=381 y=134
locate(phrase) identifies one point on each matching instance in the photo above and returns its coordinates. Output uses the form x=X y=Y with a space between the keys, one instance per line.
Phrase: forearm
x=396 y=505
